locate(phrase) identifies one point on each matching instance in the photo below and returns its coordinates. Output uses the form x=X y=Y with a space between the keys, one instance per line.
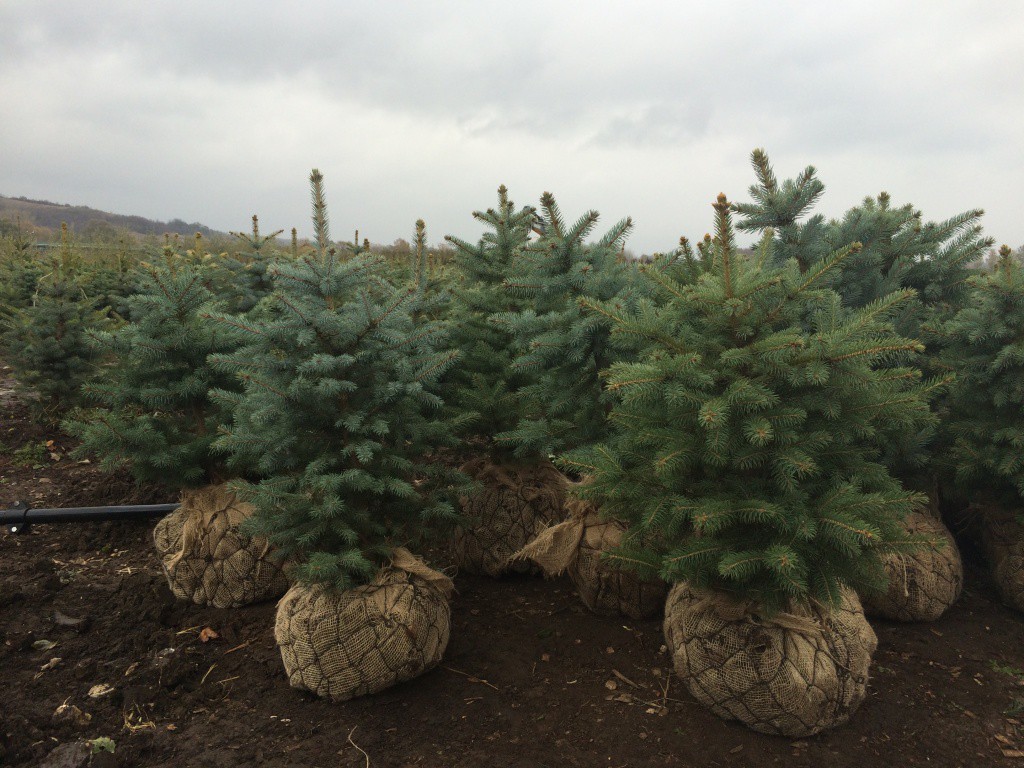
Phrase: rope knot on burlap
x=577 y=546
x=206 y=558
x=340 y=645
x=506 y=513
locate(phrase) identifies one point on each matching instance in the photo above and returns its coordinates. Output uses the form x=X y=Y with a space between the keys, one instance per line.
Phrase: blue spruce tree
x=155 y=415
x=338 y=417
x=746 y=454
x=564 y=348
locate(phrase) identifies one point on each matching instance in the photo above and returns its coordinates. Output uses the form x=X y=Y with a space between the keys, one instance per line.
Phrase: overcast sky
x=213 y=111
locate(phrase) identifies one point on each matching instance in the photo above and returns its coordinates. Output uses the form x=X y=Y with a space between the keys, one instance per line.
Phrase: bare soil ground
x=530 y=679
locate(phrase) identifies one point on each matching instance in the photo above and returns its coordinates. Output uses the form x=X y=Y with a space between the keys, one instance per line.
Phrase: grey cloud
x=665 y=123
x=440 y=96
x=496 y=68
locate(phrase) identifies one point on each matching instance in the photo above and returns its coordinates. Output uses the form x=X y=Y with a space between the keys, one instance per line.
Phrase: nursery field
x=94 y=645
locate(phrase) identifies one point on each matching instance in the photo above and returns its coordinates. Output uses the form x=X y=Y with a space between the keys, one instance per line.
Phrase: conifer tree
x=746 y=456
x=432 y=286
x=486 y=385
x=355 y=247
x=898 y=250
x=46 y=342
x=155 y=414
x=564 y=406
x=218 y=270
x=15 y=238
x=109 y=280
x=107 y=275
x=336 y=420
x=984 y=426
x=252 y=279
x=985 y=347
x=19 y=273
x=419 y=257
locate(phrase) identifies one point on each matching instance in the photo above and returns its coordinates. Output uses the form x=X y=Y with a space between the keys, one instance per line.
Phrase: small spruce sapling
x=985 y=348
x=337 y=418
x=898 y=251
x=520 y=489
x=47 y=341
x=433 y=288
x=565 y=348
x=745 y=459
x=252 y=274
x=985 y=424
x=155 y=414
x=19 y=276
x=486 y=386
x=111 y=277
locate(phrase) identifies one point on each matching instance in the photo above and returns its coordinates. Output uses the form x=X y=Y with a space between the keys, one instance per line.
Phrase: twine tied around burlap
x=514 y=504
x=207 y=560
x=340 y=645
x=923 y=583
x=794 y=674
x=1002 y=534
x=576 y=545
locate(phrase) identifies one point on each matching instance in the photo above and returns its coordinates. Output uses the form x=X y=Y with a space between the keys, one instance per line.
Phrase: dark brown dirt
x=530 y=679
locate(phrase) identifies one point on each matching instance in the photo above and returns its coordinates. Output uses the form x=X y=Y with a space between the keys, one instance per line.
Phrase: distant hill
x=82 y=219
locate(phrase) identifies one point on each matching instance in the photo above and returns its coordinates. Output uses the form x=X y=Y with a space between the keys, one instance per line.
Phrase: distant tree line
x=43 y=213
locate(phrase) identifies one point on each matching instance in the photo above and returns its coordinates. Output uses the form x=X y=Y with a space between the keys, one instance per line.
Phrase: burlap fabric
x=340 y=645
x=794 y=674
x=205 y=558
x=575 y=546
x=514 y=505
x=924 y=583
x=1002 y=534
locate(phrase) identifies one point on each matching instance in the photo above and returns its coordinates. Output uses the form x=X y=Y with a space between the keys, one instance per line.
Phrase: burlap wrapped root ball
x=923 y=583
x=340 y=645
x=576 y=545
x=795 y=674
x=1003 y=538
x=207 y=560
x=512 y=507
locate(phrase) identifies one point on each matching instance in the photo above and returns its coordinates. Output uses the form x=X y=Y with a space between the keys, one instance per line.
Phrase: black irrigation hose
x=19 y=518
